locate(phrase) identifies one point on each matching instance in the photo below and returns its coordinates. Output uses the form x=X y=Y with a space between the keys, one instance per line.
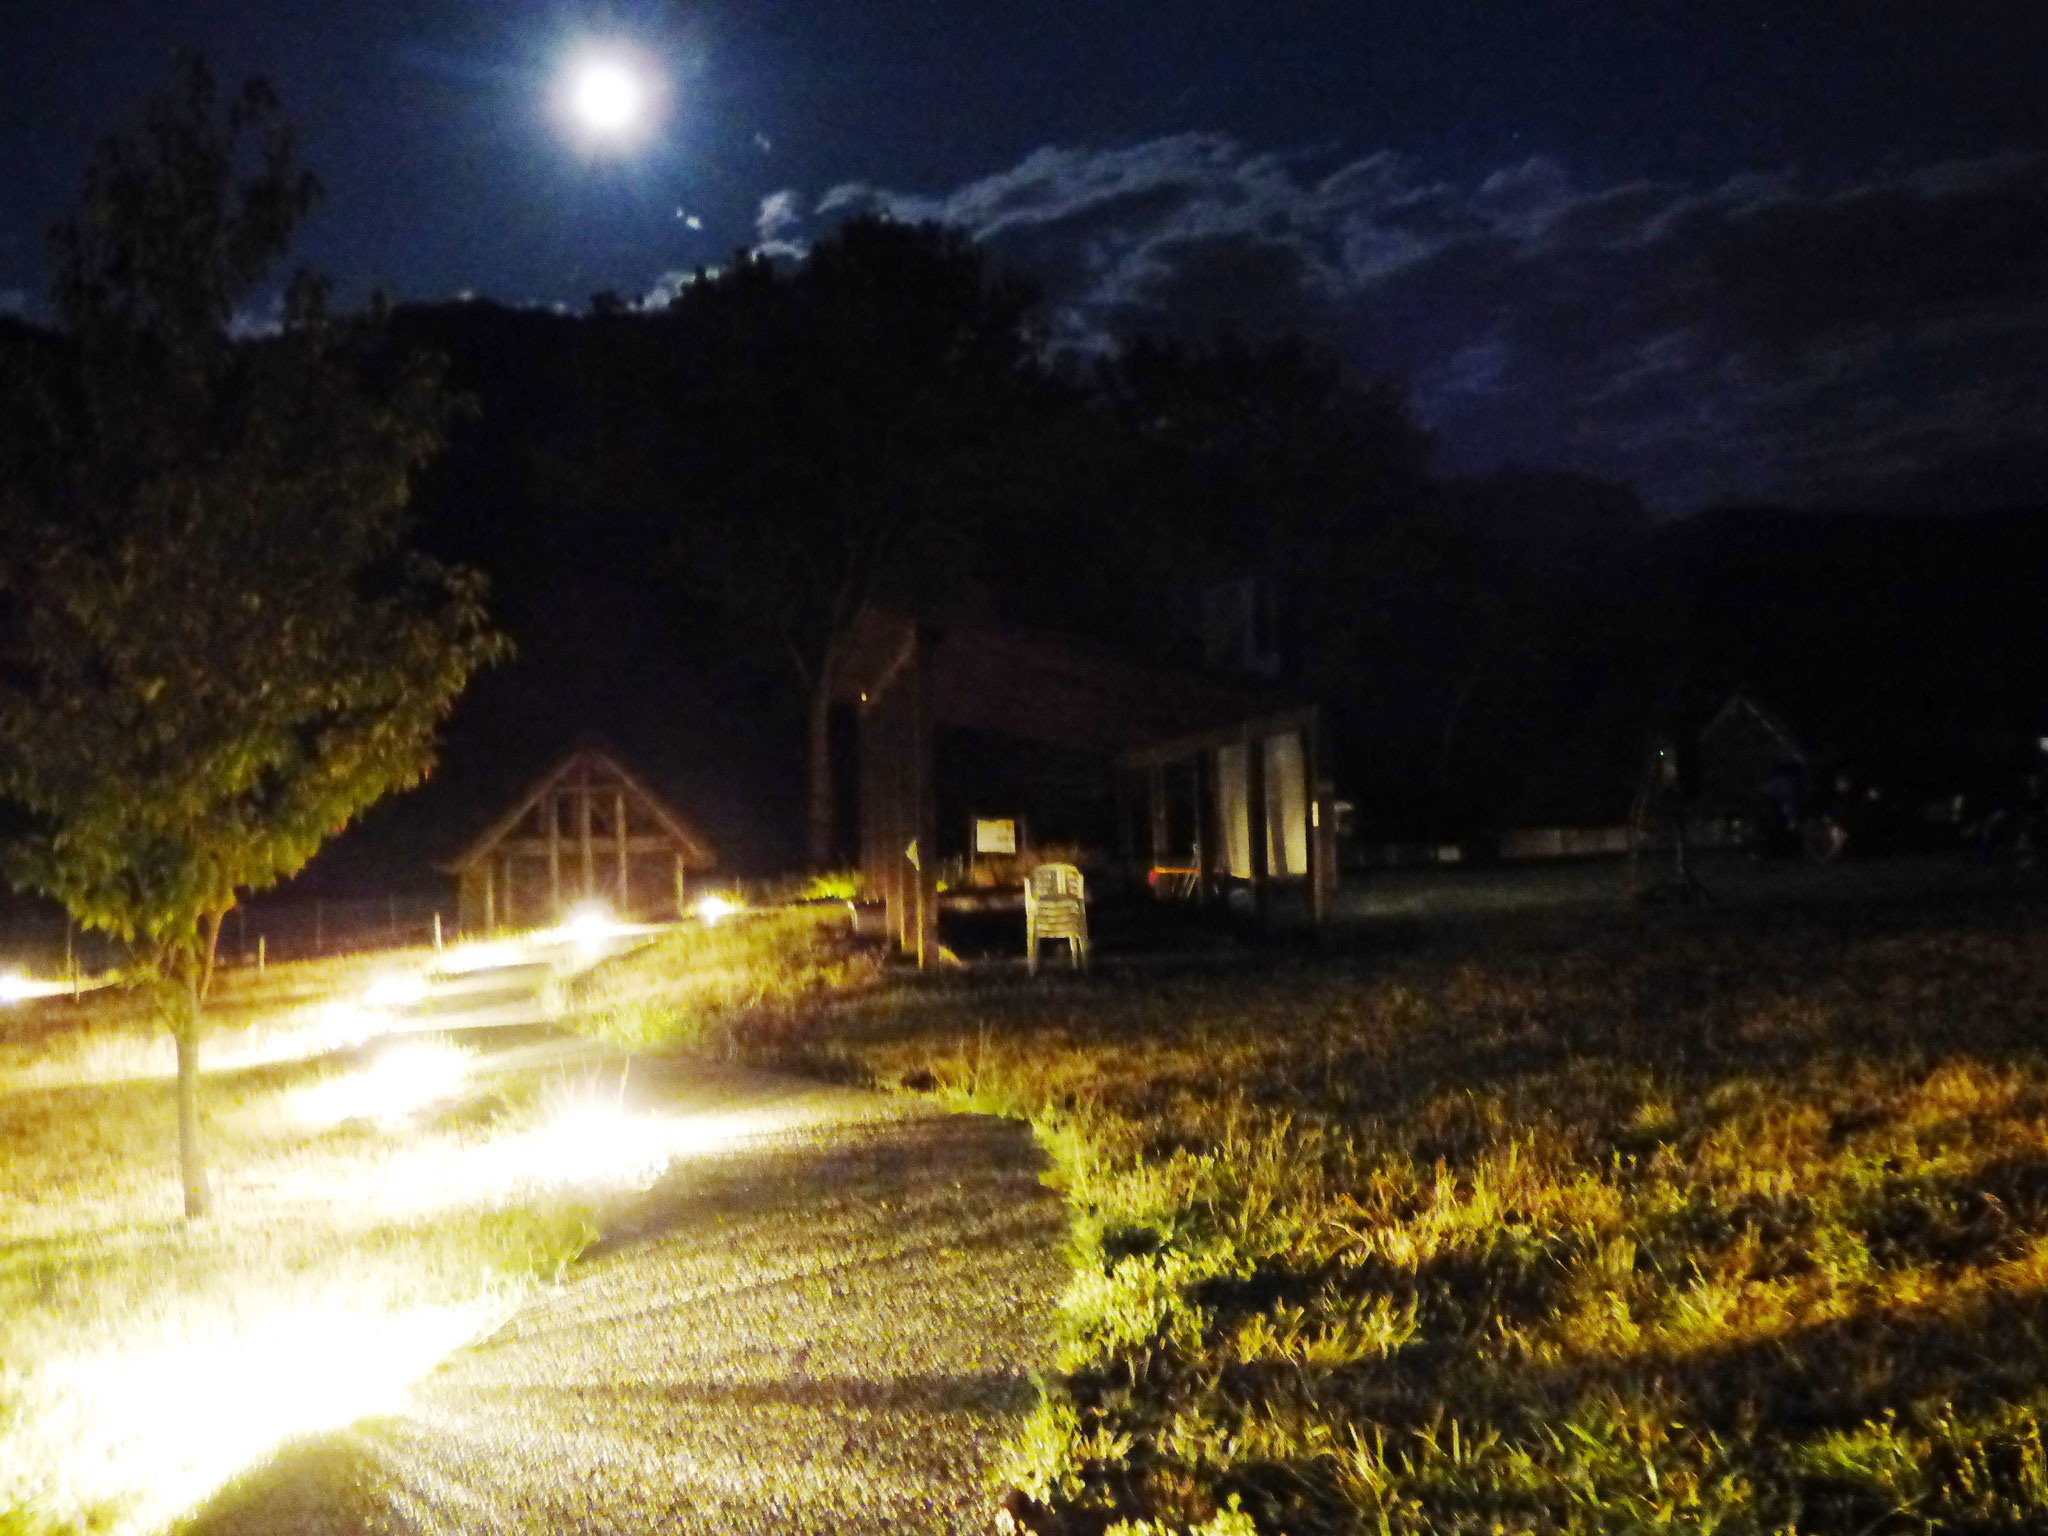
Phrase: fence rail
x=46 y=943
x=312 y=927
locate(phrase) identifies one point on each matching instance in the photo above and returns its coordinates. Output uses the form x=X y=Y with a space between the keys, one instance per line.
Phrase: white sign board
x=995 y=836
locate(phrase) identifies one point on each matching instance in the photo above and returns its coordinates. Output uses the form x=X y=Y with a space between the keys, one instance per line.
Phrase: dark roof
x=1048 y=687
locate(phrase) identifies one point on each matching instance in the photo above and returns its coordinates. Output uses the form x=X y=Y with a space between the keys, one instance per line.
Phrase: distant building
x=1740 y=749
x=979 y=743
x=588 y=830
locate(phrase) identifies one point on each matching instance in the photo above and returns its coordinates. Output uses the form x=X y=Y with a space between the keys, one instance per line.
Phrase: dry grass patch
x=703 y=986
x=1705 y=1224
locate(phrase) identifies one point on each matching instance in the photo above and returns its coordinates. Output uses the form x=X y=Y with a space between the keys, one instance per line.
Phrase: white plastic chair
x=1056 y=907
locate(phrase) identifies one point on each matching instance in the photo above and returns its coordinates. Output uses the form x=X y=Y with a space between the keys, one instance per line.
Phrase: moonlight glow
x=609 y=95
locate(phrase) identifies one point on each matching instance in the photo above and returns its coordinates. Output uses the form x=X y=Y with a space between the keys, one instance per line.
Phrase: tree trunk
x=198 y=1198
x=209 y=936
x=820 y=804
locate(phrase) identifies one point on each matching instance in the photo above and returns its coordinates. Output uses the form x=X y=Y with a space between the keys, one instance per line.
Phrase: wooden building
x=1741 y=748
x=1231 y=773
x=588 y=830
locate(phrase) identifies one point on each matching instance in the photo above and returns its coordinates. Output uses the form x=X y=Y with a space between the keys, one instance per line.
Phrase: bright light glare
x=166 y=1422
x=480 y=957
x=402 y=1080
x=712 y=908
x=602 y=1144
x=17 y=988
x=395 y=991
x=349 y=1024
x=608 y=96
x=593 y=1139
x=590 y=925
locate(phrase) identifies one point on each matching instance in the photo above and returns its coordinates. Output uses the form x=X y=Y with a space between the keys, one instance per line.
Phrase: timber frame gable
x=588 y=831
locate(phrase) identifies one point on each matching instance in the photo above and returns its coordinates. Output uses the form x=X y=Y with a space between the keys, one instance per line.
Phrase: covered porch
x=1207 y=790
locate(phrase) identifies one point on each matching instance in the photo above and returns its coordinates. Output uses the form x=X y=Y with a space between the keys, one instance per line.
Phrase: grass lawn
x=1672 y=1220
x=375 y=1209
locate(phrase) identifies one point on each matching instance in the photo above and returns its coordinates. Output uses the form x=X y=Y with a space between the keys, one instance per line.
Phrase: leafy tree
x=215 y=650
x=842 y=432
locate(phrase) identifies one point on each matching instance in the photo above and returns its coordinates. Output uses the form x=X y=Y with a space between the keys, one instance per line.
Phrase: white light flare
x=402 y=1080
x=488 y=956
x=714 y=908
x=592 y=1139
x=589 y=926
x=610 y=95
x=17 y=988
x=395 y=991
x=157 y=1424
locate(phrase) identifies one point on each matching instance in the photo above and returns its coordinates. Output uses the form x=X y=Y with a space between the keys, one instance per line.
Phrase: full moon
x=608 y=97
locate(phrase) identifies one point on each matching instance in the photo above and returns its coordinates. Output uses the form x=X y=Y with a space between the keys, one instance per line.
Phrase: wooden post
x=437 y=932
x=490 y=894
x=583 y=832
x=1126 y=832
x=901 y=734
x=554 y=805
x=682 y=889
x=1322 y=828
x=924 y=809
x=1155 y=791
x=262 y=956
x=1258 y=819
x=619 y=837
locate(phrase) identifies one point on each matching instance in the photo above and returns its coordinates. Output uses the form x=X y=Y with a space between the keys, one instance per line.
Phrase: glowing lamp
x=714 y=907
x=401 y=1081
x=17 y=988
x=590 y=925
x=480 y=957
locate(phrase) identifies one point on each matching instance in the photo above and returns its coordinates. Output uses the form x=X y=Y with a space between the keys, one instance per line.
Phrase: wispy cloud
x=778 y=225
x=1763 y=337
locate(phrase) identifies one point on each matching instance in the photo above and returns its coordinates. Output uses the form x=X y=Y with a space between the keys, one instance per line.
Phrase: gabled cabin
x=588 y=830
x=1740 y=749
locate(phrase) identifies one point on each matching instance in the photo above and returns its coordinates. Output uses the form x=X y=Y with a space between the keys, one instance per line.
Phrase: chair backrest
x=1051 y=882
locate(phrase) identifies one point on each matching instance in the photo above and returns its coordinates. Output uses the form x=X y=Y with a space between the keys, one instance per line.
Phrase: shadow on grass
x=338 y=1484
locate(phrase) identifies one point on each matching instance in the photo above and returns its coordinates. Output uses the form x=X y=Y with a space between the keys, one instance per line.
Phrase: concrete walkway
x=827 y=1324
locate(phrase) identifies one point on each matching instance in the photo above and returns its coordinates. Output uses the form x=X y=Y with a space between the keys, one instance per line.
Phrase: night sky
x=1729 y=251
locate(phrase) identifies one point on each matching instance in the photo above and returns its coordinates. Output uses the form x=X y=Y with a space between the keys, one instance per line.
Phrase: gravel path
x=827 y=1324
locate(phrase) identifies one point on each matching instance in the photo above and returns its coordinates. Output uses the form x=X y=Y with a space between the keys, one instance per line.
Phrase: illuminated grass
x=375 y=1211
x=1704 y=1225
x=700 y=984
x=114 y=1034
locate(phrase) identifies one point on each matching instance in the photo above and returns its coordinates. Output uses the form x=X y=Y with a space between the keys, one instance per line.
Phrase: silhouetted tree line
x=682 y=508
x=882 y=420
